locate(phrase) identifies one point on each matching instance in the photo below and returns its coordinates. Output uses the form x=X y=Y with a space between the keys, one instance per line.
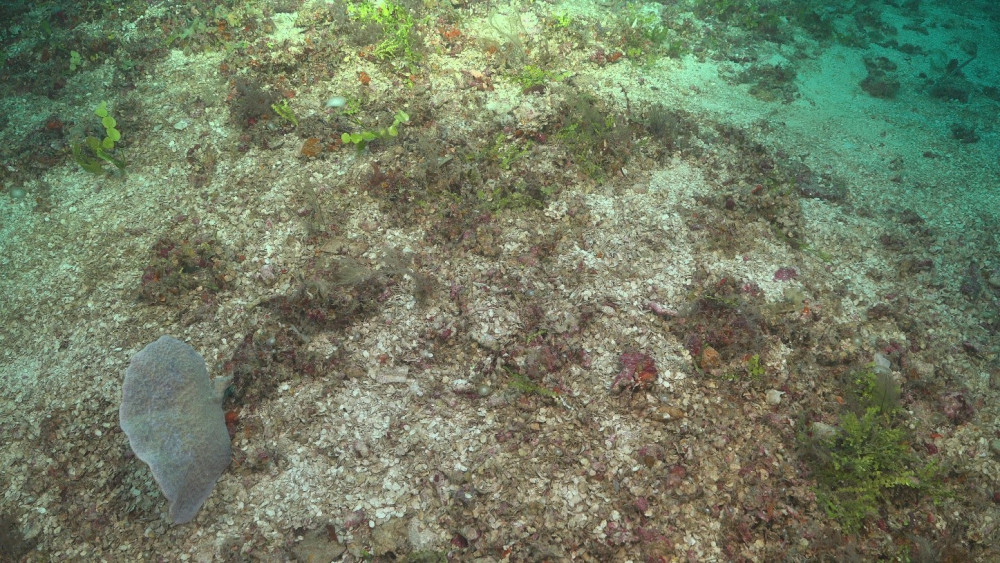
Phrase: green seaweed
x=868 y=463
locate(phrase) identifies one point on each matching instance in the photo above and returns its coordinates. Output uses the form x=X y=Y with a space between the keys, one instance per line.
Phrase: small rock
x=822 y=430
x=485 y=340
x=710 y=359
x=994 y=279
x=919 y=370
x=319 y=545
x=774 y=396
x=390 y=537
x=882 y=364
x=665 y=414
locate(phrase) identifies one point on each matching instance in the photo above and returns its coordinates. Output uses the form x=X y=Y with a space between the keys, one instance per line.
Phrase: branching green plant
x=877 y=389
x=755 y=368
x=868 y=461
x=518 y=196
x=361 y=139
x=561 y=20
x=285 y=112
x=397 y=27
x=597 y=140
x=502 y=151
x=642 y=31
x=753 y=371
x=92 y=153
x=521 y=383
x=196 y=27
x=532 y=76
x=352 y=107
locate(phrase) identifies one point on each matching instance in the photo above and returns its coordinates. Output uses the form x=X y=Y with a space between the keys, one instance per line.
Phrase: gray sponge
x=173 y=418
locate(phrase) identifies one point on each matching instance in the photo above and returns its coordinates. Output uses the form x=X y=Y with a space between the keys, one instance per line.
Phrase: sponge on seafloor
x=172 y=415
